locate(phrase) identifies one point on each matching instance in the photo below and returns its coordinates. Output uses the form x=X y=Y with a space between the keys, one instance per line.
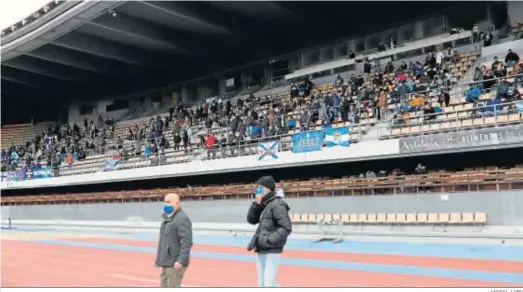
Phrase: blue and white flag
x=307 y=141
x=112 y=164
x=337 y=137
x=268 y=150
x=42 y=172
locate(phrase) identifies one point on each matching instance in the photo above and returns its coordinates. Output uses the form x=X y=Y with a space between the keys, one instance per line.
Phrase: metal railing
x=191 y=153
x=453 y=120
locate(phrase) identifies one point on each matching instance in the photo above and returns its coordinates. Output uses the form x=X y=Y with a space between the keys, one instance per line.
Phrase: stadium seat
x=401 y=218
x=480 y=218
x=455 y=218
x=443 y=218
x=411 y=218
x=371 y=218
x=304 y=218
x=312 y=218
x=467 y=218
x=422 y=218
x=380 y=218
x=345 y=218
x=362 y=218
x=391 y=218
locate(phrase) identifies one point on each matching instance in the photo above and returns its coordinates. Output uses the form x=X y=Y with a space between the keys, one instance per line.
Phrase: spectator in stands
x=416 y=103
x=472 y=94
x=389 y=68
x=185 y=140
x=487 y=77
x=403 y=67
x=345 y=109
x=370 y=174
x=352 y=55
x=339 y=81
x=429 y=112
x=487 y=38
x=420 y=169
x=271 y=213
x=444 y=98
x=513 y=93
x=502 y=90
x=449 y=56
x=210 y=143
x=493 y=106
x=367 y=67
x=511 y=59
x=478 y=77
x=222 y=143
x=430 y=60
x=417 y=69
x=304 y=120
x=439 y=59
x=392 y=43
x=381 y=47
x=177 y=140
x=476 y=36
x=498 y=68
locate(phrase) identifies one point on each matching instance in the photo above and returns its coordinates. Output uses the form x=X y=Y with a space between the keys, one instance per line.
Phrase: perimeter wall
x=503 y=208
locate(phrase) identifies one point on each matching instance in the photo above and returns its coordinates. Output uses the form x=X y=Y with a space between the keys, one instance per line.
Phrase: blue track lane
x=444 y=250
x=511 y=278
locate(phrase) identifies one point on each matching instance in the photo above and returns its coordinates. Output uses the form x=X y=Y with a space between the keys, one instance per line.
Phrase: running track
x=105 y=259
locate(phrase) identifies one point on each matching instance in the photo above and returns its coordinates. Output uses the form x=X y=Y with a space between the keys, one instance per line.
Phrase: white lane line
x=131 y=278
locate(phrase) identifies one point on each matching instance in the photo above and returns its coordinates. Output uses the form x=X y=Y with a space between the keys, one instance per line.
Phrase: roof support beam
x=85 y=62
x=27 y=64
x=148 y=36
x=189 y=19
x=102 y=48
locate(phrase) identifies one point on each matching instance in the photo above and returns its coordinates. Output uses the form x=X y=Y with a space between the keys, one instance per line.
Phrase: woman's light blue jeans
x=267 y=265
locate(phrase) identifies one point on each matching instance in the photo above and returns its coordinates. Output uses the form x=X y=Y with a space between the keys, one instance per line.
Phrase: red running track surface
x=404 y=260
x=29 y=264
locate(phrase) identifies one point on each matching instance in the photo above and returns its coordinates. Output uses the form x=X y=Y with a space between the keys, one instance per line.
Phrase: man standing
x=174 y=246
x=272 y=214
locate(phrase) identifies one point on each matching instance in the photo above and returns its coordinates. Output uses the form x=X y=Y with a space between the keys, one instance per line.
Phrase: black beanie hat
x=268 y=182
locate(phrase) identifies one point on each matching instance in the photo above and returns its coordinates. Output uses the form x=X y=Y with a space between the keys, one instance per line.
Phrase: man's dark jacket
x=275 y=225
x=175 y=240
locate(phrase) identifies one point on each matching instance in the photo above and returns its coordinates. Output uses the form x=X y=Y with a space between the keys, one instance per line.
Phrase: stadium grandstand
x=405 y=123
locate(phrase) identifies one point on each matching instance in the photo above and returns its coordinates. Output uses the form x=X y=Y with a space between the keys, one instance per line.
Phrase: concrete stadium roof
x=115 y=48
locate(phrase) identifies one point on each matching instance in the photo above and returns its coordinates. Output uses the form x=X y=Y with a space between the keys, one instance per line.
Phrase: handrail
x=434 y=117
x=197 y=152
x=462 y=87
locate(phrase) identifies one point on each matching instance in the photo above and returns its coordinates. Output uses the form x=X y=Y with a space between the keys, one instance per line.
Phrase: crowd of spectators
x=486 y=78
x=59 y=145
x=357 y=97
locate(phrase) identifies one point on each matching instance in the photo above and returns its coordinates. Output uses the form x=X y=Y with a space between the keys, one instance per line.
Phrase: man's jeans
x=267 y=265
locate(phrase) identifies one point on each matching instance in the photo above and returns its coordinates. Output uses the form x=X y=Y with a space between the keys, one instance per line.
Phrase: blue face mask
x=168 y=209
x=258 y=190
